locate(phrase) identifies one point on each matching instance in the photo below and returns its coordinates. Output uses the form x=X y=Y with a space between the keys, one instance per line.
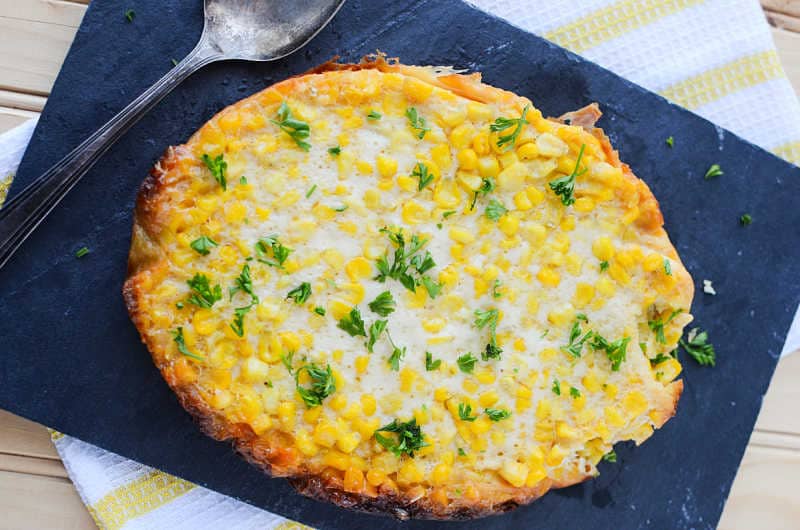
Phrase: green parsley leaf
x=417 y=122
x=177 y=336
x=270 y=245
x=204 y=295
x=238 y=319
x=565 y=186
x=81 y=252
x=698 y=347
x=465 y=412
x=713 y=171
x=576 y=342
x=610 y=456
x=322 y=384
x=203 y=245
x=502 y=124
x=373 y=115
x=495 y=210
x=497 y=414
x=217 y=166
x=340 y=208
x=397 y=354
x=311 y=191
x=422 y=173
x=300 y=293
x=574 y=392
x=615 y=351
x=375 y=331
x=408 y=437
x=353 y=324
x=242 y=180
x=486 y=318
x=384 y=304
x=466 y=363
x=296 y=129
x=430 y=364
x=461 y=452
x=405 y=257
x=130 y=14
x=745 y=219
x=320 y=311
x=433 y=287
x=658 y=359
x=556 y=388
x=667 y=267
x=603 y=266
x=335 y=151
x=670 y=141
x=448 y=213
x=496 y=288
x=487 y=186
x=244 y=282
x=287 y=359
x=657 y=326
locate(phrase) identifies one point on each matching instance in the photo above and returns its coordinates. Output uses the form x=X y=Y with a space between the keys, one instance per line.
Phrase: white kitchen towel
x=715 y=57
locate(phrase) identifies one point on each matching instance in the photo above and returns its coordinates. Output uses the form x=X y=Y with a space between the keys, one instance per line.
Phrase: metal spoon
x=252 y=30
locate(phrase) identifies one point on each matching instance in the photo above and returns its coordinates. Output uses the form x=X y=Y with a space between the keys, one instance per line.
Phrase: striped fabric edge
x=789 y=151
x=609 y=22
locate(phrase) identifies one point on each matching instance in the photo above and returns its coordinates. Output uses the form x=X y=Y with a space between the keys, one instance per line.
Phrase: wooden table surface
x=35 y=491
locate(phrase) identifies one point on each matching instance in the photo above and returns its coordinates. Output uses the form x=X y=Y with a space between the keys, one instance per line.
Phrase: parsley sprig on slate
x=203 y=294
x=296 y=129
x=271 y=252
x=564 y=186
x=218 y=167
x=417 y=122
x=698 y=347
x=323 y=384
x=501 y=124
x=408 y=437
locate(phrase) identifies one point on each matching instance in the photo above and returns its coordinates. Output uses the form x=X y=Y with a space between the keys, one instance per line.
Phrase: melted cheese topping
x=540 y=264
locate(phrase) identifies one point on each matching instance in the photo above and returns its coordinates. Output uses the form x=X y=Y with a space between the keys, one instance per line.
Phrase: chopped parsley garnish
x=461 y=452
x=405 y=262
x=574 y=392
x=698 y=347
x=174 y=61
x=670 y=141
x=667 y=267
x=130 y=14
x=375 y=331
x=465 y=412
x=486 y=187
x=287 y=359
x=489 y=318
x=217 y=166
x=421 y=172
x=204 y=295
x=448 y=213
x=611 y=456
x=495 y=210
x=244 y=283
x=433 y=287
x=430 y=364
x=615 y=351
x=353 y=324
x=300 y=293
x=713 y=171
x=497 y=414
x=660 y=358
x=576 y=342
x=203 y=245
x=417 y=122
x=340 y=208
x=603 y=266
x=238 y=319
x=177 y=336
x=565 y=186
x=270 y=245
x=296 y=129
x=409 y=437
x=242 y=180
x=745 y=219
x=311 y=191
x=502 y=124
x=81 y=252
x=323 y=384
x=397 y=354
x=320 y=311
x=556 y=388
x=496 y=289
x=466 y=363
x=335 y=151
x=657 y=326
x=383 y=304
x=373 y=115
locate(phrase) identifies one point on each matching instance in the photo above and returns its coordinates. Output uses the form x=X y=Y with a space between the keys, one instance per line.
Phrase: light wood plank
x=21 y=437
x=765 y=494
x=787 y=7
x=779 y=413
x=788 y=45
x=32 y=466
x=10 y=118
x=34 y=502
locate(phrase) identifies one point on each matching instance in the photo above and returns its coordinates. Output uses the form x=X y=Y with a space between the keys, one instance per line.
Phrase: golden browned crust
x=147 y=260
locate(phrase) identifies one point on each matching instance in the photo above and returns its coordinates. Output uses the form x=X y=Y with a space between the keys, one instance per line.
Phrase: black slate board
x=71 y=359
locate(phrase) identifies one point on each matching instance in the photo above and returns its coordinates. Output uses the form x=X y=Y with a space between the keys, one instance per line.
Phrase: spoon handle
x=21 y=215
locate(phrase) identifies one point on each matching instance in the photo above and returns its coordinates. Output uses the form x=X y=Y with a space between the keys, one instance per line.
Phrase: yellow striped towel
x=715 y=57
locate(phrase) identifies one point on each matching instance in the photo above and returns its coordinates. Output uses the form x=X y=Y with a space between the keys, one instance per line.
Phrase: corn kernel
x=441 y=394
x=528 y=151
x=353 y=480
x=488 y=166
x=508 y=224
x=461 y=235
x=548 y=276
x=487 y=399
x=347 y=443
x=514 y=472
x=467 y=159
x=635 y=403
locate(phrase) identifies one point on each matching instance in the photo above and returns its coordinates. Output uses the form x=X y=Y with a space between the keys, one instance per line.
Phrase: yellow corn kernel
x=376 y=477
x=487 y=399
x=485 y=377
x=512 y=178
x=409 y=473
x=555 y=456
x=480 y=426
x=550 y=145
x=478 y=112
x=467 y=159
x=363 y=167
x=414 y=212
x=416 y=90
x=454 y=116
x=631 y=215
x=440 y=154
x=440 y=474
x=611 y=390
x=286 y=413
x=235 y=212
x=470 y=386
x=358 y=268
x=305 y=444
x=407 y=183
x=668 y=370
x=480 y=144
x=361 y=363
x=461 y=235
x=508 y=224
x=528 y=151
x=583 y=204
x=347 y=442
x=603 y=248
x=311 y=416
x=254 y=371
x=460 y=136
x=336 y=460
x=353 y=480
x=635 y=403
x=653 y=262
x=534 y=232
x=325 y=434
x=387 y=166
x=433 y=325
x=522 y=202
x=613 y=417
x=441 y=394
x=619 y=274
x=488 y=166
x=407 y=376
x=338 y=402
x=548 y=276
x=584 y=293
x=220 y=399
x=514 y=472
x=565 y=432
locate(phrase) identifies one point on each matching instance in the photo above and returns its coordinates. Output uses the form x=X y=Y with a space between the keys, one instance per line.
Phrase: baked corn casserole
x=408 y=291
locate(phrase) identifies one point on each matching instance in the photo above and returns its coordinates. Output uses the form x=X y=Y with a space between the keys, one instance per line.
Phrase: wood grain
x=34 y=492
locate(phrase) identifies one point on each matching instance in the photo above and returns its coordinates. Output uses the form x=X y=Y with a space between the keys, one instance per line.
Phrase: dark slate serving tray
x=71 y=359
